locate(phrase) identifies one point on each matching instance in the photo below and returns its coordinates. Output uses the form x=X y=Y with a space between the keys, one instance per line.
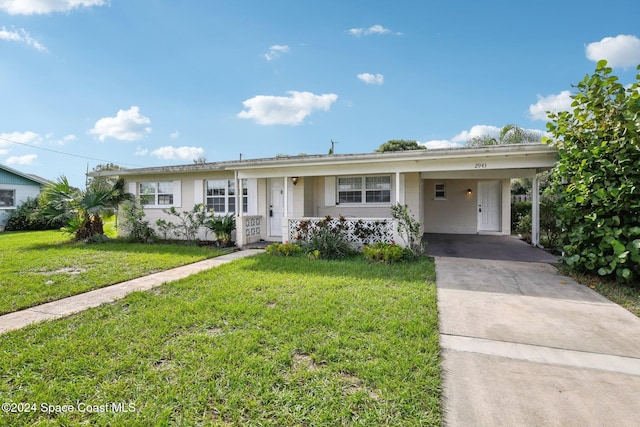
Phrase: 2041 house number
x=481 y=165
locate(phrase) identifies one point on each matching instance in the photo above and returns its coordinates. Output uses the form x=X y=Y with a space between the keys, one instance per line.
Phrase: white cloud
x=174 y=134
x=27 y=159
x=21 y=36
x=554 y=103
x=282 y=110
x=476 y=131
x=30 y=7
x=3 y=152
x=127 y=125
x=19 y=137
x=141 y=151
x=371 y=79
x=460 y=140
x=63 y=141
x=275 y=52
x=620 y=51
x=178 y=153
x=440 y=143
x=374 y=29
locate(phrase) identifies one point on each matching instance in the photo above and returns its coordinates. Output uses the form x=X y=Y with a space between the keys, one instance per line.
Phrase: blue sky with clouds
x=160 y=82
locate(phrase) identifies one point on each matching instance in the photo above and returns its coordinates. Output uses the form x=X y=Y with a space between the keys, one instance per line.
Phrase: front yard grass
x=42 y=266
x=261 y=341
x=626 y=295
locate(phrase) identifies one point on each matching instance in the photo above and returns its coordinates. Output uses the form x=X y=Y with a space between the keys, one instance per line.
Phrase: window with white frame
x=364 y=189
x=439 y=191
x=156 y=193
x=220 y=195
x=7 y=198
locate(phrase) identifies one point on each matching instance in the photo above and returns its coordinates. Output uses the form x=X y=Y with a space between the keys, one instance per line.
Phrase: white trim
x=535 y=211
x=198 y=191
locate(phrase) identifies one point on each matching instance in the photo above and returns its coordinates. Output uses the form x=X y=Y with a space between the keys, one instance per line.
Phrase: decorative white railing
x=359 y=231
x=252 y=226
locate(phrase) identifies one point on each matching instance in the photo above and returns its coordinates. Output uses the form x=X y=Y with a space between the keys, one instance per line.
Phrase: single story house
x=456 y=190
x=15 y=188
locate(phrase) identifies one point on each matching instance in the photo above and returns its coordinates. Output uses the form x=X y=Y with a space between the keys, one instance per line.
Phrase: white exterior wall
x=188 y=190
x=455 y=215
x=22 y=193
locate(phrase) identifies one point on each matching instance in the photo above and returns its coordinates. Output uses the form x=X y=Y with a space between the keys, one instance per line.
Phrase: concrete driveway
x=524 y=346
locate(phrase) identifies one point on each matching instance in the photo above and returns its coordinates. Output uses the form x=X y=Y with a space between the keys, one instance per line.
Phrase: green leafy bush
x=284 y=249
x=135 y=224
x=329 y=245
x=597 y=178
x=518 y=209
x=385 y=252
x=222 y=227
x=408 y=228
x=25 y=218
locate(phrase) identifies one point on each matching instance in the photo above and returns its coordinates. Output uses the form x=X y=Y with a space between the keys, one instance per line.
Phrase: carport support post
x=535 y=211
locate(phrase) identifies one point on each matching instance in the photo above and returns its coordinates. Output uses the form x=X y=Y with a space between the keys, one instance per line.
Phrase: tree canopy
x=597 y=176
x=509 y=134
x=399 y=145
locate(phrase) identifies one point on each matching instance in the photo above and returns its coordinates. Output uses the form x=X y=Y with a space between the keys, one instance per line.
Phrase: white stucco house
x=15 y=188
x=460 y=191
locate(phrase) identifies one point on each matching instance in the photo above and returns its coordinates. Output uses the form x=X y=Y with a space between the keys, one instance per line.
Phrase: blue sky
x=161 y=82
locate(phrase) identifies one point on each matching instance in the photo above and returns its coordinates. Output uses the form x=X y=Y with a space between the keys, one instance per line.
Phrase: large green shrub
x=135 y=223
x=25 y=218
x=329 y=245
x=597 y=176
x=518 y=210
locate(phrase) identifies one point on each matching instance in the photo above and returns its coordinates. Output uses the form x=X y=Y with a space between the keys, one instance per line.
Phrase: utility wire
x=65 y=154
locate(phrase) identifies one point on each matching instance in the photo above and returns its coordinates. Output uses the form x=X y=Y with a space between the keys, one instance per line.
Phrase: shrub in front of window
x=222 y=227
x=190 y=221
x=25 y=218
x=135 y=223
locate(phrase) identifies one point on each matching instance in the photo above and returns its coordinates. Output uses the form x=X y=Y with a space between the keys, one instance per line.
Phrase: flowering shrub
x=385 y=253
x=284 y=249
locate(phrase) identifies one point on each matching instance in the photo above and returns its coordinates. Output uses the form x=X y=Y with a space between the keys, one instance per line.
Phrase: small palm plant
x=222 y=227
x=81 y=210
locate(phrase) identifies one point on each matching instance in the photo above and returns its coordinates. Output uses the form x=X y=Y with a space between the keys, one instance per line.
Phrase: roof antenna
x=240 y=156
x=332 y=146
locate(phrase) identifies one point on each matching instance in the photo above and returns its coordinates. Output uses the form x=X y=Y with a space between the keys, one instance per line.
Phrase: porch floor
x=506 y=248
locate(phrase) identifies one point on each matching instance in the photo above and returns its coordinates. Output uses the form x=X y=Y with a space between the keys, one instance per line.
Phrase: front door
x=276 y=207
x=489 y=206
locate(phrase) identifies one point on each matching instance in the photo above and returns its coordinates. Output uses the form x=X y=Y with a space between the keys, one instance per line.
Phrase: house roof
x=33 y=178
x=335 y=160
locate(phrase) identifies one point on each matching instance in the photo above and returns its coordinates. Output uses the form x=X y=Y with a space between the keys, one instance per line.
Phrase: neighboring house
x=15 y=188
x=458 y=191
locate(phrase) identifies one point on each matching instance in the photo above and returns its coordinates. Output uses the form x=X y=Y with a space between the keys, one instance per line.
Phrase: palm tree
x=81 y=210
x=509 y=134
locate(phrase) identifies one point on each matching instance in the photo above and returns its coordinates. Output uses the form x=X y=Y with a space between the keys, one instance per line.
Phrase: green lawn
x=41 y=266
x=262 y=341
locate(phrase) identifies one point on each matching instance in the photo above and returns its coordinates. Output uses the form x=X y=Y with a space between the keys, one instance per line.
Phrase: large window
x=7 y=198
x=364 y=189
x=221 y=195
x=156 y=193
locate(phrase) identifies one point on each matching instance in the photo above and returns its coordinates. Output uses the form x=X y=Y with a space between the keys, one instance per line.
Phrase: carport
x=506 y=248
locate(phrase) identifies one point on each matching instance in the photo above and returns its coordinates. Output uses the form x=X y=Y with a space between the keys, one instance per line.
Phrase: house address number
x=481 y=165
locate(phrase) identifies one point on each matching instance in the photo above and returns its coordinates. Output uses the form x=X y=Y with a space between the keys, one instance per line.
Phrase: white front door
x=276 y=207
x=489 y=206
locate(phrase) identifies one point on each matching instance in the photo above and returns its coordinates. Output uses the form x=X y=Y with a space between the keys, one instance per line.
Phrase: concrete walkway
x=524 y=346
x=67 y=306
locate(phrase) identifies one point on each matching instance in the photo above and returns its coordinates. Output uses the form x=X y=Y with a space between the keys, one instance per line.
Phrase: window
x=156 y=193
x=367 y=189
x=221 y=195
x=439 y=191
x=7 y=198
